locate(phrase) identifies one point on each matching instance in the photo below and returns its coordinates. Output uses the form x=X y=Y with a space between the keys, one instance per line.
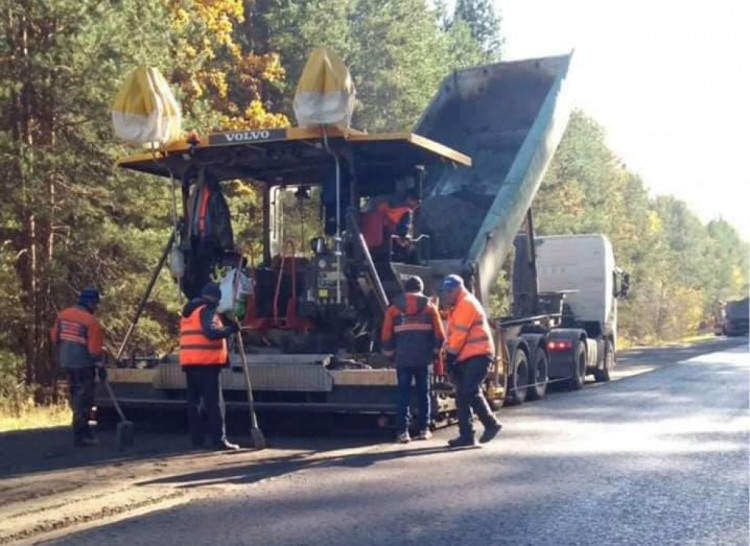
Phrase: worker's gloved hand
x=101 y=371
x=233 y=327
x=450 y=363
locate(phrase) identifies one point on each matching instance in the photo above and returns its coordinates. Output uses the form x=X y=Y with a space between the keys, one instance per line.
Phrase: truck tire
x=579 y=372
x=519 y=379
x=539 y=374
x=605 y=374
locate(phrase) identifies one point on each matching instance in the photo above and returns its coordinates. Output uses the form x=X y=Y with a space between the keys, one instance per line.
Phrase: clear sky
x=670 y=82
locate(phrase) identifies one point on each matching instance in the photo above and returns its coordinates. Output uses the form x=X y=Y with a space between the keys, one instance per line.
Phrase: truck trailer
x=476 y=157
x=731 y=318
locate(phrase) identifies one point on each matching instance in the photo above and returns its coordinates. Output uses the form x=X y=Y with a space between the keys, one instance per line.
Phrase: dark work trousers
x=468 y=377
x=204 y=385
x=81 y=387
x=421 y=377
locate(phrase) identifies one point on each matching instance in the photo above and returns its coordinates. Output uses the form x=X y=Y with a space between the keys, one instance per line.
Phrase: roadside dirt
x=47 y=486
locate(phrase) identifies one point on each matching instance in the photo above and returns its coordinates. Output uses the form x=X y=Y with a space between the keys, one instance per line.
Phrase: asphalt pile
x=452 y=222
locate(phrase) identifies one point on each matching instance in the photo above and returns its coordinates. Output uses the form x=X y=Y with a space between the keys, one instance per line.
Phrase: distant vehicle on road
x=731 y=318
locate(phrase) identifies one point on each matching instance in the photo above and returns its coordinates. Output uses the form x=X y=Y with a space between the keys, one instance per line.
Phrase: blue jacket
x=412 y=331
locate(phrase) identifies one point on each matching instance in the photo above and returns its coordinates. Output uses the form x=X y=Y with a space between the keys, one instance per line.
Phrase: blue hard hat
x=451 y=282
x=89 y=295
x=211 y=292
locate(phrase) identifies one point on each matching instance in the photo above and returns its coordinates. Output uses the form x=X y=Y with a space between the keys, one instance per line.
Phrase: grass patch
x=698 y=337
x=649 y=341
x=36 y=417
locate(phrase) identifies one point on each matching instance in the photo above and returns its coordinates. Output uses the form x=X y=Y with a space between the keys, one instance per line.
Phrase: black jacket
x=218 y=223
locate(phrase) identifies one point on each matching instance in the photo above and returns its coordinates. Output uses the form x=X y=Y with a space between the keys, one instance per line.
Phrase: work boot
x=463 y=441
x=86 y=441
x=226 y=445
x=403 y=438
x=490 y=432
x=424 y=434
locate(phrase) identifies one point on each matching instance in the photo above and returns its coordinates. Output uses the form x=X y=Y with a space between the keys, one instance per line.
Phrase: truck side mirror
x=318 y=245
x=625 y=288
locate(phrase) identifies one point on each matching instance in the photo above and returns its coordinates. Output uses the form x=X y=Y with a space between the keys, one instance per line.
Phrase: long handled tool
x=259 y=441
x=125 y=430
x=144 y=298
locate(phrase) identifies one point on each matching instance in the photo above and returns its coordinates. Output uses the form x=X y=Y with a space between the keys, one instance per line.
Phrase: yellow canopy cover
x=325 y=92
x=145 y=110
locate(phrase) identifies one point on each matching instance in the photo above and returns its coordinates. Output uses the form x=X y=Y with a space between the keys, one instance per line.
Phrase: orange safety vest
x=195 y=348
x=468 y=330
x=203 y=211
x=392 y=214
x=78 y=336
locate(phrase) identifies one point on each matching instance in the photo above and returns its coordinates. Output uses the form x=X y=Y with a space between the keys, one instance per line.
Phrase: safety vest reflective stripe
x=205 y=193
x=417 y=327
x=73 y=332
x=195 y=347
x=201 y=347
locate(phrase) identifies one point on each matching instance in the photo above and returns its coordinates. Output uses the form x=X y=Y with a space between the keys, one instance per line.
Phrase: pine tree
x=483 y=22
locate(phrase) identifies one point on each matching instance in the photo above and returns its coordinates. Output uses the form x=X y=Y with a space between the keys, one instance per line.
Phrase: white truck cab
x=583 y=266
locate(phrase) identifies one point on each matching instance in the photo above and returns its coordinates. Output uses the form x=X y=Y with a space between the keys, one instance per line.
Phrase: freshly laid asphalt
x=659 y=457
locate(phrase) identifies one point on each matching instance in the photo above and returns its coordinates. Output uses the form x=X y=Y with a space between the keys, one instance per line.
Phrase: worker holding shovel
x=203 y=354
x=77 y=334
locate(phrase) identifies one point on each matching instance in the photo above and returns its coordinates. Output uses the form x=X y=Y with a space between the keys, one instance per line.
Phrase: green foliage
x=483 y=24
x=678 y=265
x=398 y=61
x=68 y=219
x=397 y=52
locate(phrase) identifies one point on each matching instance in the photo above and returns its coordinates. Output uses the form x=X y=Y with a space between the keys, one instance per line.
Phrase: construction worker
x=203 y=354
x=413 y=336
x=469 y=352
x=398 y=221
x=77 y=335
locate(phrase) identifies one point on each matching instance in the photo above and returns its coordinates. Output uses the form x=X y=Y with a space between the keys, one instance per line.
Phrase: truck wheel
x=519 y=379
x=605 y=374
x=579 y=372
x=539 y=376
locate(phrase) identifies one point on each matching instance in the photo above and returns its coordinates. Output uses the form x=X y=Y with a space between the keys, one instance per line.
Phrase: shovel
x=259 y=441
x=125 y=430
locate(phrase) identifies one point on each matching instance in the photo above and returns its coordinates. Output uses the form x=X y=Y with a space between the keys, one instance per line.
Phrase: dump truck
x=477 y=157
x=731 y=318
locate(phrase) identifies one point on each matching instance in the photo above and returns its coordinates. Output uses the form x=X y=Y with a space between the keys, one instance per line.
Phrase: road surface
x=659 y=456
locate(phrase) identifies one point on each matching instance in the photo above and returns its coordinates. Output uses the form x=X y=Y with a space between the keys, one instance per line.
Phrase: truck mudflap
x=562 y=344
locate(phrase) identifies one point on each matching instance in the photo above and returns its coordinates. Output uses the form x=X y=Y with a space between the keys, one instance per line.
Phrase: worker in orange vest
x=469 y=351
x=77 y=335
x=203 y=354
x=412 y=337
x=398 y=220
